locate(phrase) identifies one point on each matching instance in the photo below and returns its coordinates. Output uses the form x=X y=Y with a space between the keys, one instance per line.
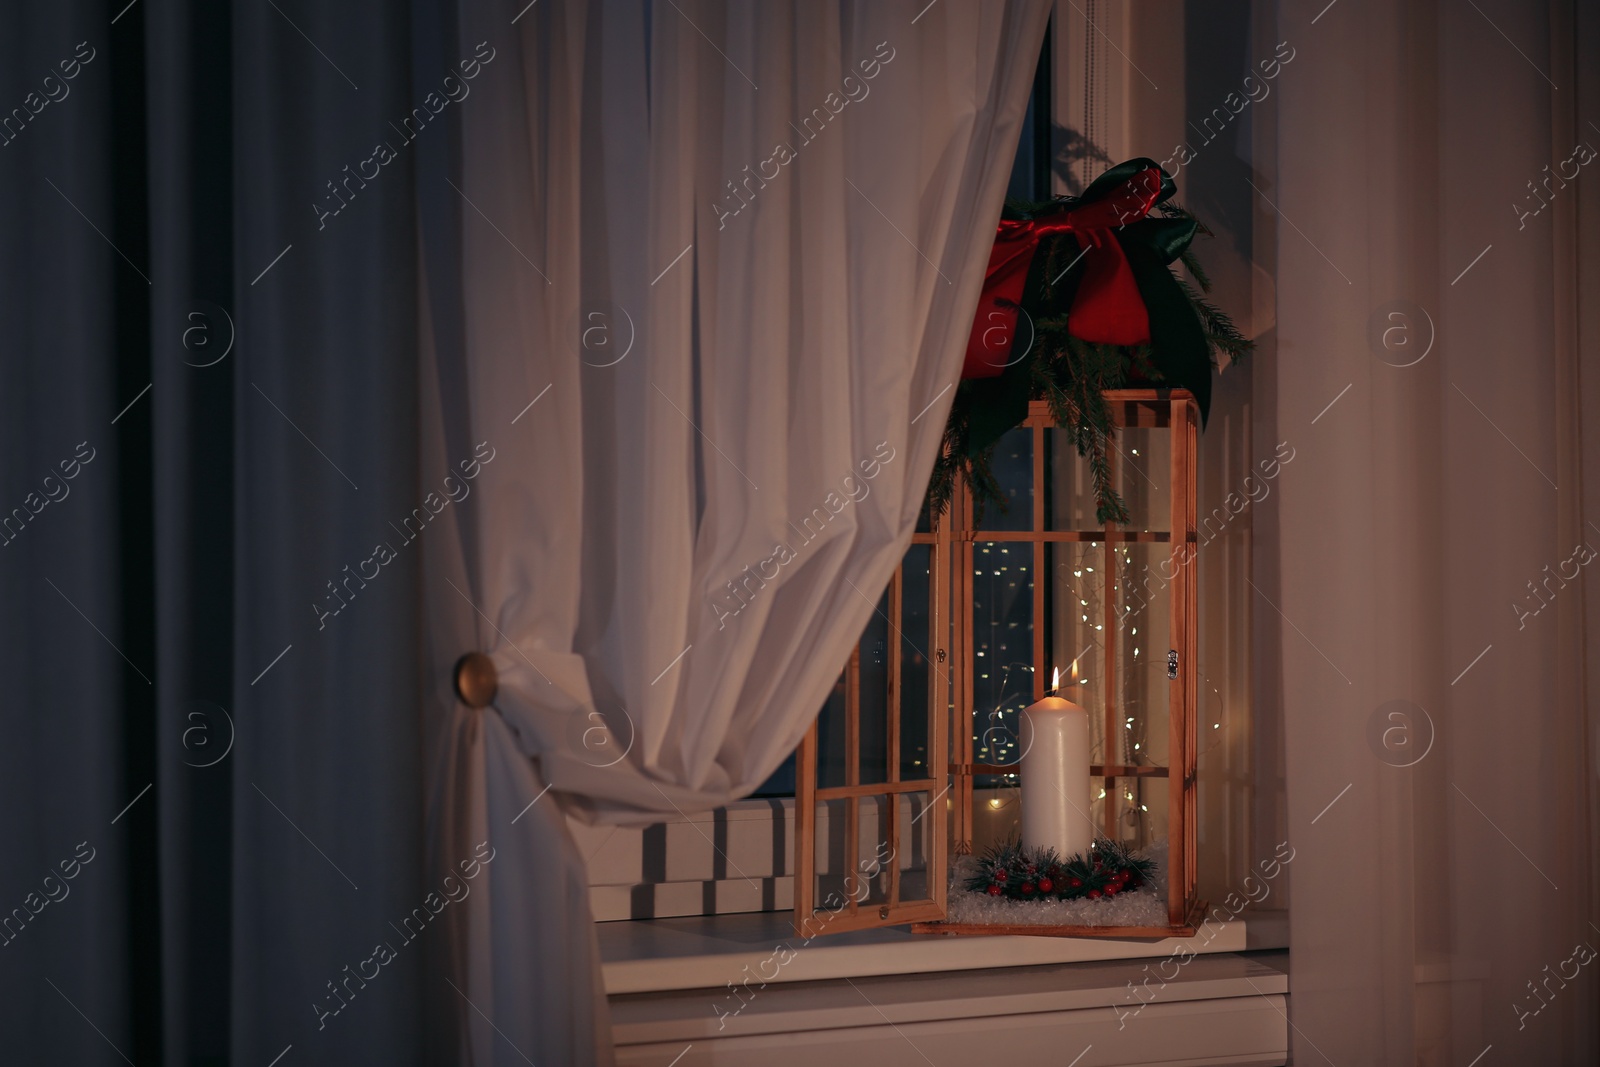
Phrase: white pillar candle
x=1055 y=777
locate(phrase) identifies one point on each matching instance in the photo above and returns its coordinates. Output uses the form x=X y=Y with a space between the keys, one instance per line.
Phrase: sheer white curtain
x=1439 y=743
x=728 y=253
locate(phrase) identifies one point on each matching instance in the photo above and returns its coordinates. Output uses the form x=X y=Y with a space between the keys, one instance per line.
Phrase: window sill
x=709 y=951
x=1221 y=1008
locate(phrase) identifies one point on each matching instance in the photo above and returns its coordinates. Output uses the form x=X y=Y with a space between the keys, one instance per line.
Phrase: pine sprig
x=1079 y=405
x=1173 y=210
x=1226 y=342
x=958 y=460
x=1018 y=873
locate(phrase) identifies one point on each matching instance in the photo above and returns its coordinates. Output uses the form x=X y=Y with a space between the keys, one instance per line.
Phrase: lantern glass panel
x=830 y=736
x=913 y=853
x=1143 y=637
x=996 y=815
x=1077 y=615
x=1138 y=807
x=1141 y=473
x=1069 y=490
x=1002 y=648
x=873 y=855
x=1013 y=470
x=831 y=862
x=873 y=681
x=1143 y=476
x=916 y=669
x=1100 y=798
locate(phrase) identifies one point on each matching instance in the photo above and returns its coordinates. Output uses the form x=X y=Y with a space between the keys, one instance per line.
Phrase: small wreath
x=1019 y=873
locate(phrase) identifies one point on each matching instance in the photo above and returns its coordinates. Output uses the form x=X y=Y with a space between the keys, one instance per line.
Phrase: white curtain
x=1440 y=752
x=728 y=253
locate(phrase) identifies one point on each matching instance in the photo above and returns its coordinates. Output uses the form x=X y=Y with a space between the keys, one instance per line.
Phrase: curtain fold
x=235 y=784
x=698 y=278
x=1441 y=775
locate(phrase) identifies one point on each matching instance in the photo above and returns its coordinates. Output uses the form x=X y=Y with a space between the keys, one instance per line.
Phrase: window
x=670 y=869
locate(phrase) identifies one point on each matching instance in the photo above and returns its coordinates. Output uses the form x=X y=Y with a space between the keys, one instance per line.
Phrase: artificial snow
x=1145 y=906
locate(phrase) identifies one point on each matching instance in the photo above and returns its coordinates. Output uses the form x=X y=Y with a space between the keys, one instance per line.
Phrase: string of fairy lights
x=1003 y=588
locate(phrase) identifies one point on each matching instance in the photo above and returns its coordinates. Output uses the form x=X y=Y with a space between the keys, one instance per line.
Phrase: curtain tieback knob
x=476 y=680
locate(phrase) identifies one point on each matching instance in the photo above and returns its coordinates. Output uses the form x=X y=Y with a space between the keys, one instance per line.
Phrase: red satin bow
x=1107 y=307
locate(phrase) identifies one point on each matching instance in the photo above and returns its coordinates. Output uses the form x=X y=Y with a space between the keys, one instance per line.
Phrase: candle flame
x=1055 y=680
x=1074 y=670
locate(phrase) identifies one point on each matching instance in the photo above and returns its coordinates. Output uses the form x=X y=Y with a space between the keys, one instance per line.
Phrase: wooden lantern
x=1118 y=603
x=1116 y=612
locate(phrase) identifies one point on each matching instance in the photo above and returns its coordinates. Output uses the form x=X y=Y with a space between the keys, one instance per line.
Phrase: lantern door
x=871 y=777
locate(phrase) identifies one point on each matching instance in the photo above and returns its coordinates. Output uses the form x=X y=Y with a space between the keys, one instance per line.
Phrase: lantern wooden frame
x=951 y=713
x=857 y=914
x=1176 y=411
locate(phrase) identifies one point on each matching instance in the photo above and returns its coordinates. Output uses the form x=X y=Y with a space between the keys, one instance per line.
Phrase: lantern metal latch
x=1172 y=663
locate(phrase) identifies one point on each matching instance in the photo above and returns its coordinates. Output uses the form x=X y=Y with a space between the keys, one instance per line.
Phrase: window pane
x=916 y=645
x=781 y=784
x=1002 y=648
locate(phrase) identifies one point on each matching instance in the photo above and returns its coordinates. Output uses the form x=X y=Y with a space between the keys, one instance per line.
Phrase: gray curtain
x=207 y=403
x=1436 y=329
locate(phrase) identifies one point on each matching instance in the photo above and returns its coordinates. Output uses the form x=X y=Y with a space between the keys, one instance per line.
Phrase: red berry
x=999 y=875
x=1094 y=894
x=1046 y=885
x=1027 y=888
x=1075 y=883
x=995 y=891
x=1113 y=888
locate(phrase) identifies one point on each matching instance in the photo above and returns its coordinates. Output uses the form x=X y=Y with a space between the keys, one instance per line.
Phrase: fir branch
x=1019 y=873
x=1081 y=408
x=1174 y=210
x=1222 y=335
x=1192 y=262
